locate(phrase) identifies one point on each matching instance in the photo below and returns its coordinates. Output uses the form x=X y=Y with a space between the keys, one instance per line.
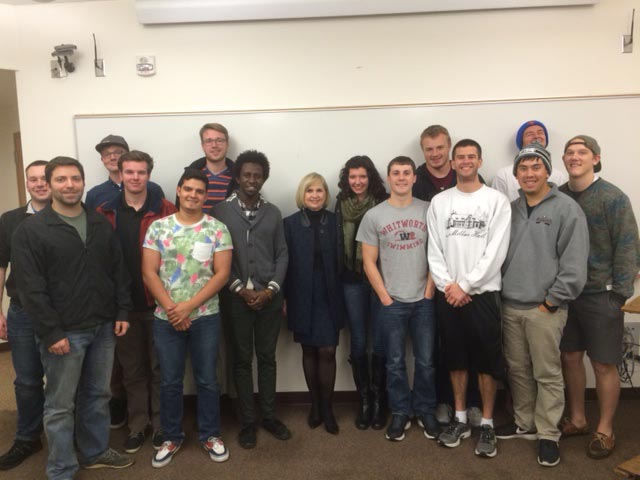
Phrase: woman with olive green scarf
x=361 y=189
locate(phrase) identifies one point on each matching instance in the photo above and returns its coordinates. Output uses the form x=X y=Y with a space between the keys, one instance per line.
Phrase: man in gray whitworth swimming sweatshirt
x=545 y=268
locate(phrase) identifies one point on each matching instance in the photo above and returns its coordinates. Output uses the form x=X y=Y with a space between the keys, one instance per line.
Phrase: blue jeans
x=418 y=320
x=76 y=398
x=201 y=340
x=28 y=367
x=363 y=313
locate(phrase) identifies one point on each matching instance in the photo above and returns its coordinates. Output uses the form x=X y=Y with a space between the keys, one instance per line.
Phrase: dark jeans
x=417 y=319
x=28 y=384
x=141 y=372
x=247 y=328
x=201 y=340
x=363 y=316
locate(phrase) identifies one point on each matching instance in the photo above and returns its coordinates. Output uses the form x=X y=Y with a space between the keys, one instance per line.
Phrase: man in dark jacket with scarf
x=130 y=213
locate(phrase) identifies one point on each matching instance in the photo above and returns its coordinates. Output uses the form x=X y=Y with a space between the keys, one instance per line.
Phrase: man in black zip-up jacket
x=17 y=327
x=73 y=283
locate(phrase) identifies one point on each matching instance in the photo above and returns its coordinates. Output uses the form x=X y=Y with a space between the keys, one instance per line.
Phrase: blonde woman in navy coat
x=315 y=304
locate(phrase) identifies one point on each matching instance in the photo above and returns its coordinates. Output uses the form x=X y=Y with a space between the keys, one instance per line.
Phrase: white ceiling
x=33 y=2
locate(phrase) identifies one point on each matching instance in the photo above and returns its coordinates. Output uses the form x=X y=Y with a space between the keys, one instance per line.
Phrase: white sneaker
x=216 y=449
x=443 y=413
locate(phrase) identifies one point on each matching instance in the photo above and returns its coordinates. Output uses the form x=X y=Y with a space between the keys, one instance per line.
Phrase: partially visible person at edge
x=75 y=287
x=131 y=213
x=313 y=292
x=595 y=322
x=214 y=140
x=361 y=188
x=186 y=261
x=17 y=327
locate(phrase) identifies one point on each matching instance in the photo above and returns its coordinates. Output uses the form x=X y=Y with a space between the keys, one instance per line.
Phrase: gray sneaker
x=455 y=432
x=110 y=459
x=487 y=443
x=475 y=416
x=444 y=413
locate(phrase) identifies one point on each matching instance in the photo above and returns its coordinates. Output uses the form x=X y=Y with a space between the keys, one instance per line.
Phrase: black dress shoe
x=330 y=424
x=315 y=418
x=276 y=428
x=247 y=436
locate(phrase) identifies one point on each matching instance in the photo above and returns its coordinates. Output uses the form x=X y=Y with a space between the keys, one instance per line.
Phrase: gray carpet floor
x=353 y=454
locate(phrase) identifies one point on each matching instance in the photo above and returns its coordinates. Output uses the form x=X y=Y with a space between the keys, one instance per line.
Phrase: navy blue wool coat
x=298 y=233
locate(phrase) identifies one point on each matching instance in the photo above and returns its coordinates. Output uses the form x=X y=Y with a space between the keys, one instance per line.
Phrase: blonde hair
x=308 y=180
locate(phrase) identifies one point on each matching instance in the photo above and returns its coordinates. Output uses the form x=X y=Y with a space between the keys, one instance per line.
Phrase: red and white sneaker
x=163 y=457
x=216 y=449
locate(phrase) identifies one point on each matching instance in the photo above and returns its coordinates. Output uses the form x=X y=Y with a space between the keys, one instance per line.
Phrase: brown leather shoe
x=568 y=429
x=601 y=445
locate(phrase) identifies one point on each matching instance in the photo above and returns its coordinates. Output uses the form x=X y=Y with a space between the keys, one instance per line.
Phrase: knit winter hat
x=533 y=150
x=526 y=125
x=588 y=142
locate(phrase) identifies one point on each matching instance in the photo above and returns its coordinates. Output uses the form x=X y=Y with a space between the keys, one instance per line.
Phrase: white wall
x=423 y=58
x=309 y=63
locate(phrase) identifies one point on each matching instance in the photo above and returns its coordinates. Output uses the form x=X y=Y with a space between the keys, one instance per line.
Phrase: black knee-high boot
x=360 y=367
x=378 y=392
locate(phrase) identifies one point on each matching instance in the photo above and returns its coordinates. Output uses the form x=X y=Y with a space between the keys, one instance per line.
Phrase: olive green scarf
x=352 y=213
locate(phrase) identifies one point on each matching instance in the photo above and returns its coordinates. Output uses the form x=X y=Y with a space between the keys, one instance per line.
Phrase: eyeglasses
x=217 y=141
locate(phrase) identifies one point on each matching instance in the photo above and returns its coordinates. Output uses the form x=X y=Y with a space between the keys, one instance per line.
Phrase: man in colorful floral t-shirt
x=186 y=261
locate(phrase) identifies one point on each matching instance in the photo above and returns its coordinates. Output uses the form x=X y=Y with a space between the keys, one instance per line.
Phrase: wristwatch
x=551 y=308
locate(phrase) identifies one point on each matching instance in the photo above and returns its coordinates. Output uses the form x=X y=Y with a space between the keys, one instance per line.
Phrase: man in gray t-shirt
x=395 y=233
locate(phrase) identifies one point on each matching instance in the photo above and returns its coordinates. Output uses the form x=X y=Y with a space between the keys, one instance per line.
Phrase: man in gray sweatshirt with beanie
x=545 y=268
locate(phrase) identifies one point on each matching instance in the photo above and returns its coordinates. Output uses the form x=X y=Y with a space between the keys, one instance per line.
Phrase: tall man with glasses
x=214 y=139
x=111 y=149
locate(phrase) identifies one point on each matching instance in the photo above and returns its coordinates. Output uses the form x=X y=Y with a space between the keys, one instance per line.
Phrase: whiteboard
x=322 y=140
x=300 y=141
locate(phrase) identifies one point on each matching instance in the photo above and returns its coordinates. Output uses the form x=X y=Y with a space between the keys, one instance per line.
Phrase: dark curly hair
x=376 y=185
x=252 y=156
